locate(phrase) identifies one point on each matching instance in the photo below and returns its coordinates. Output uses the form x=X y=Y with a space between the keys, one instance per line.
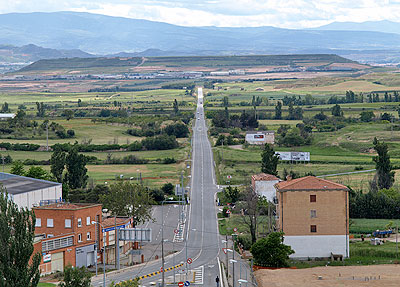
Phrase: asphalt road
x=202 y=243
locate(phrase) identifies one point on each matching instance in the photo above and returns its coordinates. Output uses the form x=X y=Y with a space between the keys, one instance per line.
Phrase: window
x=313 y=213
x=38 y=222
x=79 y=222
x=50 y=235
x=50 y=222
x=53 y=244
x=79 y=237
x=88 y=220
x=313 y=228
x=68 y=223
x=313 y=198
x=88 y=236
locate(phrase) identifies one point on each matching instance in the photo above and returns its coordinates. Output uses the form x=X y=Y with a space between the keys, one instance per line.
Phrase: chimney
x=288 y=178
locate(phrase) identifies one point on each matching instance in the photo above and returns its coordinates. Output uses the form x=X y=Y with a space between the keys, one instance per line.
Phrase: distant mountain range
x=74 y=34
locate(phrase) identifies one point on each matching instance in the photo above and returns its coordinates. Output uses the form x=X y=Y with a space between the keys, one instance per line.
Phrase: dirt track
x=378 y=275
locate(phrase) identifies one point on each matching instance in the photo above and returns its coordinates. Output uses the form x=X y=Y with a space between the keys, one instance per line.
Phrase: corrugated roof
x=15 y=184
x=309 y=183
x=264 y=176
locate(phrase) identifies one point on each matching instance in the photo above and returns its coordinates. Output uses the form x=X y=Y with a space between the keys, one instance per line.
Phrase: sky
x=223 y=13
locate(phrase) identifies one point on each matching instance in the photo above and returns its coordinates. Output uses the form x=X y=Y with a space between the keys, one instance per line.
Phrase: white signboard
x=47 y=258
x=294 y=155
x=259 y=137
x=135 y=234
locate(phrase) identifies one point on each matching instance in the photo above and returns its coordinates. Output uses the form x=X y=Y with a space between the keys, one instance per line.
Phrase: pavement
x=201 y=243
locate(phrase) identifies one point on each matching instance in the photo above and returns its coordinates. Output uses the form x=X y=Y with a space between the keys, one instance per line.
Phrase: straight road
x=202 y=244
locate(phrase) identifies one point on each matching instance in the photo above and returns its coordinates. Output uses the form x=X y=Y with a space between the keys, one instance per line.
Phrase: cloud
x=287 y=13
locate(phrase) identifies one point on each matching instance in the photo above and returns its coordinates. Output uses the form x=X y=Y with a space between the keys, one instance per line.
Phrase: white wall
x=317 y=245
x=31 y=198
x=266 y=188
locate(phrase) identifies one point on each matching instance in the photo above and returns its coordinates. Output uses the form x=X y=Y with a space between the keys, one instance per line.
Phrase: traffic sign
x=187 y=283
x=235 y=229
x=228 y=211
x=229 y=176
x=181 y=284
x=189 y=261
x=161 y=269
x=224 y=250
x=176 y=231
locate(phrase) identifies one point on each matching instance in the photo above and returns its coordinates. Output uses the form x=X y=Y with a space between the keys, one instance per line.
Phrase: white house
x=260 y=137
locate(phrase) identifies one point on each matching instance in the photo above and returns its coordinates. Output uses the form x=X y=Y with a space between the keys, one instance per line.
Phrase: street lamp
x=104 y=252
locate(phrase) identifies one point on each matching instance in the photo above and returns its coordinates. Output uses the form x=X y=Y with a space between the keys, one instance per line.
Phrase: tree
x=129 y=199
x=76 y=277
x=270 y=251
x=278 y=111
x=232 y=194
x=367 y=116
x=5 y=108
x=251 y=211
x=38 y=172
x=40 y=109
x=18 y=168
x=176 y=107
x=130 y=283
x=269 y=160
x=385 y=175
x=68 y=114
x=17 y=265
x=337 y=111
x=168 y=188
x=75 y=163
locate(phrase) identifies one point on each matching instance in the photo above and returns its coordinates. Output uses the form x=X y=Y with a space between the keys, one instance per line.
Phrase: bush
x=245 y=241
x=76 y=277
x=161 y=142
x=178 y=130
x=169 y=160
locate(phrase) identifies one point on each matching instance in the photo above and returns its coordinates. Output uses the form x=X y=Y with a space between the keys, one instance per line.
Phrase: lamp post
x=104 y=252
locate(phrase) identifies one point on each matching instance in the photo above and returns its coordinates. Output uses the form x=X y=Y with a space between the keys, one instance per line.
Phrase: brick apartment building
x=314 y=215
x=65 y=234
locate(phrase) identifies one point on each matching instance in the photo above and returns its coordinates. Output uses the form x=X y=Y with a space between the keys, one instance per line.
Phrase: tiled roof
x=67 y=205
x=110 y=221
x=264 y=176
x=309 y=183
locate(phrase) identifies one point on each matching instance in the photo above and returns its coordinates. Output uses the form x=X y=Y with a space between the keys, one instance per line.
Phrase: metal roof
x=15 y=184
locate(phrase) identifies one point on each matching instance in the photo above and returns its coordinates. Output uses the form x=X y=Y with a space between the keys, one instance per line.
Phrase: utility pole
x=227 y=257
x=233 y=262
x=162 y=245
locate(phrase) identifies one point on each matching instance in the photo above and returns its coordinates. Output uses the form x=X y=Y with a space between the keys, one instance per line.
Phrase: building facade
x=314 y=215
x=66 y=235
x=260 y=137
x=109 y=226
x=264 y=185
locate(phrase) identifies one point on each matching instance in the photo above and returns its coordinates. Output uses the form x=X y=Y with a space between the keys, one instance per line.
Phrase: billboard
x=255 y=137
x=293 y=155
x=135 y=234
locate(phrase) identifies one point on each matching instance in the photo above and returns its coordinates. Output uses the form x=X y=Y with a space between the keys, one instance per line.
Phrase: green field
x=367 y=226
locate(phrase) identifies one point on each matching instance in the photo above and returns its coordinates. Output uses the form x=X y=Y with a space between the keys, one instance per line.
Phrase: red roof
x=110 y=221
x=309 y=183
x=67 y=205
x=264 y=176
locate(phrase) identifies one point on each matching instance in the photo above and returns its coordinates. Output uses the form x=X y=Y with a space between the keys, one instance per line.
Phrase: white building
x=260 y=137
x=29 y=192
x=263 y=184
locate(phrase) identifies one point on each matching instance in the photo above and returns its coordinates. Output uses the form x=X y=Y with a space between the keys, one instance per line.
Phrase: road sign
x=235 y=229
x=229 y=176
x=161 y=269
x=187 y=283
x=135 y=234
x=224 y=250
x=228 y=212
x=181 y=284
x=176 y=231
x=189 y=261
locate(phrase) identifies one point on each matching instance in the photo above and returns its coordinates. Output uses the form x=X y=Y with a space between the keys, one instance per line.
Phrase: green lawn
x=41 y=284
x=367 y=226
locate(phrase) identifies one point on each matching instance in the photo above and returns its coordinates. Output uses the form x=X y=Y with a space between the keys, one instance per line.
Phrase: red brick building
x=65 y=234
